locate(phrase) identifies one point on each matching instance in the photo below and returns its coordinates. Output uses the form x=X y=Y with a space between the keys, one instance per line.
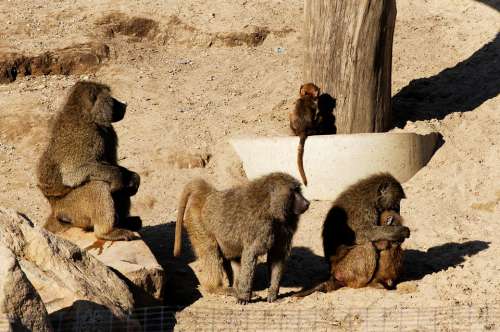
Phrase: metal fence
x=456 y=318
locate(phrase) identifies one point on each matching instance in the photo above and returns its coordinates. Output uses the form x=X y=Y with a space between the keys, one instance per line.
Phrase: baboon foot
x=119 y=234
x=55 y=226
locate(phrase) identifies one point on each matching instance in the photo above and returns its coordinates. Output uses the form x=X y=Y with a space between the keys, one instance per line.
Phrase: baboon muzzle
x=118 y=110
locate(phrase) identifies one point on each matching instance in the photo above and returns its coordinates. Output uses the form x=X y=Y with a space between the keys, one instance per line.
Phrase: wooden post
x=348 y=54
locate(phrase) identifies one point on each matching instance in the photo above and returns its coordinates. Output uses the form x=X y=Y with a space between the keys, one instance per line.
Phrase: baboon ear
x=279 y=202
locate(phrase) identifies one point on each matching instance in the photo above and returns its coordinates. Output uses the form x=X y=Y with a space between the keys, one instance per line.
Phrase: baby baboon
x=79 y=166
x=352 y=228
x=238 y=225
x=303 y=120
x=390 y=262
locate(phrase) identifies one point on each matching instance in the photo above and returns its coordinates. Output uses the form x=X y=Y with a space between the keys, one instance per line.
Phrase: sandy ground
x=196 y=78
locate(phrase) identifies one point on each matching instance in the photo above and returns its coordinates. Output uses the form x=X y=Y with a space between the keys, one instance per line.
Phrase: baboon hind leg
x=209 y=255
x=103 y=216
x=357 y=268
x=54 y=225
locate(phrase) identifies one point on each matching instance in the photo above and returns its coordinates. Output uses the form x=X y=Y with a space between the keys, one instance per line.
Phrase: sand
x=204 y=71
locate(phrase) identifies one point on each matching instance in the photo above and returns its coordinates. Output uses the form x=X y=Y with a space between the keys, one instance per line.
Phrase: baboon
x=352 y=229
x=238 y=225
x=303 y=120
x=78 y=172
x=390 y=261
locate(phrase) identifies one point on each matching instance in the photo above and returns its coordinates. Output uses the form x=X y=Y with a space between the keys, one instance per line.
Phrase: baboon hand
x=405 y=232
x=133 y=182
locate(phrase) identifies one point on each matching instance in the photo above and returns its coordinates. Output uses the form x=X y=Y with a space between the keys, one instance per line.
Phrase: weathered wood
x=348 y=54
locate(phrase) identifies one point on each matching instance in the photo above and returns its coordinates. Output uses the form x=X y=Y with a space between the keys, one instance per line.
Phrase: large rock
x=20 y=303
x=66 y=277
x=132 y=260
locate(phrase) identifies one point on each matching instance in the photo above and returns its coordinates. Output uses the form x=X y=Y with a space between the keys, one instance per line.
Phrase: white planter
x=333 y=162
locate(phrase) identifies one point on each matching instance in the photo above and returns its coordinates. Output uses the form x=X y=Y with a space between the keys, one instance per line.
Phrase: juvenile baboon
x=303 y=120
x=78 y=172
x=390 y=261
x=238 y=225
x=351 y=228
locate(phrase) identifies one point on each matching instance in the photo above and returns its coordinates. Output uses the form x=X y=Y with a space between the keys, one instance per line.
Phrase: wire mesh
x=167 y=318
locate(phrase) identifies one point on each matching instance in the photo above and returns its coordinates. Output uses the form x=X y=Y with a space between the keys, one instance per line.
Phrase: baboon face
x=309 y=89
x=107 y=109
x=389 y=196
x=300 y=203
x=96 y=99
x=287 y=202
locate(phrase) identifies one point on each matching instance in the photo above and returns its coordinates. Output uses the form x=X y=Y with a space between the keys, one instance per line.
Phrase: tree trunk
x=348 y=54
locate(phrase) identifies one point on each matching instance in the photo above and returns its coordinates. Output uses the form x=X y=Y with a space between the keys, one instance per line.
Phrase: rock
x=20 y=303
x=62 y=273
x=132 y=260
x=75 y=59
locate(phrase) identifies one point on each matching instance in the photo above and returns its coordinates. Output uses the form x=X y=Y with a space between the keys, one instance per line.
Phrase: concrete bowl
x=333 y=162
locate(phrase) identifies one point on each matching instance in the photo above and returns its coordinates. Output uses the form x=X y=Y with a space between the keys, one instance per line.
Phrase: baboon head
x=286 y=199
x=309 y=89
x=389 y=194
x=96 y=101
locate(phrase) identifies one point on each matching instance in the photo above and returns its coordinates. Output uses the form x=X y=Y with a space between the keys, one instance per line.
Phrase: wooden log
x=348 y=54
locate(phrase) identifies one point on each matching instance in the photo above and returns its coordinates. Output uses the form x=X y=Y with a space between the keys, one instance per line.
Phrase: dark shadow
x=85 y=315
x=303 y=268
x=181 y=283
x=122 y=203
x=492 y=3
x=418 y=264
x=325 y=120
x=459 y=89
x=336 y=231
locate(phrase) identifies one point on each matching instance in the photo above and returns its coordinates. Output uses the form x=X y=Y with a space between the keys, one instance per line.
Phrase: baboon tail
x=325 y=287
x=318 y=288
x=300 y=159
x=180 y=219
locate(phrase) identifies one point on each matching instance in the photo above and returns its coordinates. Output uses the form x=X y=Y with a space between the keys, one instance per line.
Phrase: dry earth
x=195 y=73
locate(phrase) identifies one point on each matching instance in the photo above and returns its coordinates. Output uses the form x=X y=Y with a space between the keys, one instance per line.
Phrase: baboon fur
x=303 y=120
x=78 y=172
x=238 y=225
x=391 y=255
x=352 y=228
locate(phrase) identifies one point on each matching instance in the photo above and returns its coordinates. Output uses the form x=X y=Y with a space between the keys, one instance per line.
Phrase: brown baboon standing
x=78 y=171
x=303 y=120
x=352 y=228
x=238 y=225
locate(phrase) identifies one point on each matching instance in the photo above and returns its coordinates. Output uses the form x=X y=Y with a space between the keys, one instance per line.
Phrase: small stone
x=184 y=62
x=279 y=50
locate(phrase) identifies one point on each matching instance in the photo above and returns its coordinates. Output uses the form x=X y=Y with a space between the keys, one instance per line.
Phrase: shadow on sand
x=418 y=264
x=461 y=88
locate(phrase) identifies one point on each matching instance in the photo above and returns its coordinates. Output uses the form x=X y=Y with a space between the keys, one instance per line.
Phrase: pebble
x=184 y=62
